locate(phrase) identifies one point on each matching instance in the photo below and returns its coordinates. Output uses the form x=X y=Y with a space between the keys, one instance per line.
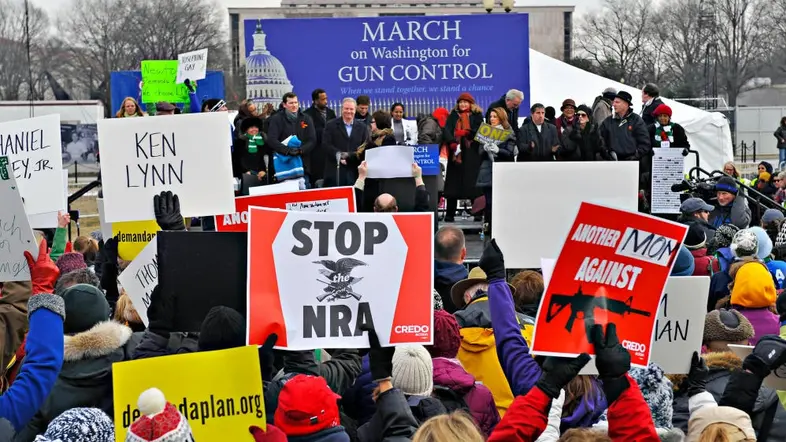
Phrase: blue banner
x=427 y=157
x=424 y=62
x=127 y=84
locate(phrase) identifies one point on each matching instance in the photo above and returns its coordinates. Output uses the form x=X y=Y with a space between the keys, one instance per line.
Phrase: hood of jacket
x=335 y=434
x=425 y=407
x=448 y=273
x=88 y=356
x=450 y=374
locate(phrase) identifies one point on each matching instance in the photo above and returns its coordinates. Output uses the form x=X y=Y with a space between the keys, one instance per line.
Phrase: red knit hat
x=306 y=405
x=441 y=114
x=661 y=109
x=466 y=96
x=447 y=337
x=159 y=419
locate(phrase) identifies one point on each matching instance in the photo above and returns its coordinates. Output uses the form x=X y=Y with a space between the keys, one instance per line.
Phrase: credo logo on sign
x=636 y=347
x=415 y=330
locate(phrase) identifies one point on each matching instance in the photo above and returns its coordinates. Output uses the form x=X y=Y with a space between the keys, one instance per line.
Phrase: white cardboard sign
x=34 y=151
x=16 y=236
x=141 y=277
x=191 y=66
x=334 y=205
x=186 y=154
x=49 y=220
x=390 y=162
x=272 y=189
x=106 y=228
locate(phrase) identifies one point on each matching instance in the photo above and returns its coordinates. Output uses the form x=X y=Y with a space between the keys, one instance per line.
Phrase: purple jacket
x=450 y=374
x=520 y=368
x=764 y=322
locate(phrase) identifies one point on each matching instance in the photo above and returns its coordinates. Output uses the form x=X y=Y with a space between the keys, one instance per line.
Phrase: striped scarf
x=663 y=133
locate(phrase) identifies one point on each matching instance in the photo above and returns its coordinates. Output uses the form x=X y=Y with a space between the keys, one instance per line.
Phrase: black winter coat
x=280 y=127
x=677 y=132
x=461 y=177
x=628 y=137
x=335 y=141
x=581 y=145
x=243 y=160
x=318 y=155
x=646 y=113
x=536 y=146
x=393 y=420
x=429 y=131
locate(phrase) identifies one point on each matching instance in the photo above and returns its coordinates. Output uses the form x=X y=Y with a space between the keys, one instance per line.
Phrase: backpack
x=450 y=399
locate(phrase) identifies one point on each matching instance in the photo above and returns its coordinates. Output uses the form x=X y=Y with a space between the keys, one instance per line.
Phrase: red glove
x=459 y=133
x=273 y=434
x=68 y=247
x=43 y=272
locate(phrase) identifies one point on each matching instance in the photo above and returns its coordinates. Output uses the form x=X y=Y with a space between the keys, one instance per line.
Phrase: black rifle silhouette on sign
x=586 y=304
x=339 y=284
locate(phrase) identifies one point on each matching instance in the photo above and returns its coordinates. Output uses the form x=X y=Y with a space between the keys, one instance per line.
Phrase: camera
x=696 y=188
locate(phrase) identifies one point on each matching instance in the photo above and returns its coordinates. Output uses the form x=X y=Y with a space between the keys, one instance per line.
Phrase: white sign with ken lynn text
x=186 y=154
x=141 y=277
x=34 y=151
x=191 y=66
x=16 y=236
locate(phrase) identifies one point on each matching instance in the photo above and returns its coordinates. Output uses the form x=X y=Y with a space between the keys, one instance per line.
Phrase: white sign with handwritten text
x=16 y=236
x=35 y=154
x=335 y=206
x=191 y=66
x=141 y=277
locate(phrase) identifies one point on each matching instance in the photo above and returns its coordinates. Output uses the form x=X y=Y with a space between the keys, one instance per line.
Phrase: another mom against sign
x=187 y=154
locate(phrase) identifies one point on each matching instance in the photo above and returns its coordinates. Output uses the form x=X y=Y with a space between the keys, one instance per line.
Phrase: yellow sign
x=488 y=134
x=133 y=236
x=219 y=392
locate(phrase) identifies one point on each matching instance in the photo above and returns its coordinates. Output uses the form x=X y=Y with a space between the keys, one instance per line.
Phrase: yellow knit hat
x=753 y=287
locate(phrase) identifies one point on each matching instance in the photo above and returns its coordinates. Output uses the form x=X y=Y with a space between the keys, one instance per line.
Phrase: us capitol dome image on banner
x=266 y=77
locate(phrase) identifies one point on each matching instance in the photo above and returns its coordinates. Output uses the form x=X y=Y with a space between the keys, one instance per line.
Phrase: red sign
x=333 y=200
x=613 y=267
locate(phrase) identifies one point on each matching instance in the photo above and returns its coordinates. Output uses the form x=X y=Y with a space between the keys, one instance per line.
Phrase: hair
x=529 y=288
x=137 y=111
x=584 y=435
x=536 y=106
x=287 y=96
x=243 y=108
x=513 y=94
x=364 y=100
x=472 y=108
x=550 y=112
x=502 y=115
x=719 y=432
x=125 y=313
x=316 y=93
x=74 y=277
x=731 y=163
x=651 y=89
x=210 y=104
x=88 y=247
x=403 y=109
x=349 y=100
x=382 y=119
x=449 y=241
x=454 y=427
x=392 y=207
x=471 y=291
x=576 y=391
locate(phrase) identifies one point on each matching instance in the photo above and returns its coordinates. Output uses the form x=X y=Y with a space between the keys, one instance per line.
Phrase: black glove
x=697 y=376
x=167 y=208
x=189 y=85
x=266 y=357
x=161 y=313
x=558 y=372
x=768 y=355
x=110 y=251
x=780 y=304
x=612 y=361
x=380 y=358
x=109 y=271
x=492 y=262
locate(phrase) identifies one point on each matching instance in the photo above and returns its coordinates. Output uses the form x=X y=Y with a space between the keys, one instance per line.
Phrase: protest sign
x=202 y=270
x=16 y=236
x=106 y=228
x=141 y=277
x=390 y=162
x=777 y=378
x=333 y=200
x=191 y=66
x=186 y=154
x=218 y=392
x=427 y=157
x=49 y=220
x=158 y=84
x=316 y=278
x=667 y=169
x=133 y=237
x=286 y=186
x=34 y=154
x=612 y=268
x=487 y=134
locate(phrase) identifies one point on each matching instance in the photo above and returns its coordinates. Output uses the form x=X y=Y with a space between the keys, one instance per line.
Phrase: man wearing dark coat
x=344 y=141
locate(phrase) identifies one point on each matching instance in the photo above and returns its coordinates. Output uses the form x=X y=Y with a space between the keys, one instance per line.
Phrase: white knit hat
x=745 y=243
x=413 y=371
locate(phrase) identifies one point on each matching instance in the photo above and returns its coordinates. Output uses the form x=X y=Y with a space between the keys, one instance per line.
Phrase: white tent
x=552 y=81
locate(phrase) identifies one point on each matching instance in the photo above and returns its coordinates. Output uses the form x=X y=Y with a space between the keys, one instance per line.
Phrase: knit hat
x=447 y=336
x=80 y=425
x=684 y=265
x=250 y=122
x=566 y=103
x=413 y=371
x=160 y=420
x=609 y=93
x=765 y=243
x=657 y=391
x=753 y=286
x=438 y=304
x=771 y=215
x=706 y=416
x=586 y=109
x=222 y=328
x=765 y=176
x=466 y=96
x=625 y=96
x=85 y=306
x=306 y=405
x=767 y=166
x=441 y=115
x=696 y=238
x=723 y=236
x=97 y=235
x=69 y=262
x=726 y=184
x=661 y=110
x=745 y=243
x=726 y=325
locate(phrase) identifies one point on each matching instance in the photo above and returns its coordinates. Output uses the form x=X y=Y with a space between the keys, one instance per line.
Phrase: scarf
x=254 y=143
x=291 y=116
x=663 y=133
x=378 y=136
x=463 y=122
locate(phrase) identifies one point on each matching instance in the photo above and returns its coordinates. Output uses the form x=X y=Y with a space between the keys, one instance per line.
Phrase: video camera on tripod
x=695 y=187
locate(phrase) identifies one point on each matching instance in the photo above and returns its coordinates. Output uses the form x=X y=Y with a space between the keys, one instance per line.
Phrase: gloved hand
x=294 y=142
x=380 y=358
x=167 y=208
x=697 y=376
x=43 y=271
x=780 y=304
x=266 y=357
x=161 y=313
x=611 y=359
x=109 y=270
x=558 y=372
x=492 y=262
x=191 y=86
x=459 y=133
x=491 y=148
x=272 y=434
x=768 y=355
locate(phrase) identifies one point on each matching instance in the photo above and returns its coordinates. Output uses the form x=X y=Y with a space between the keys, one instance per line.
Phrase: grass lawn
x=88 y=213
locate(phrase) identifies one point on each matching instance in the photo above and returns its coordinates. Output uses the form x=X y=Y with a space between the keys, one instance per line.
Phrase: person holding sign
x=664 y=132
x=463 y=153
x=493 y=151
x=292 y=137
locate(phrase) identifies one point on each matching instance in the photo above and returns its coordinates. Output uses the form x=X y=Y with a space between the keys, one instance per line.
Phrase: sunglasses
x=582 y=114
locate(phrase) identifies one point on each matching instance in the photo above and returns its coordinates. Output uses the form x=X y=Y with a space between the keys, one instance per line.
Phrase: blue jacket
x=778 y=270
x=520 y=368
x=357 y=402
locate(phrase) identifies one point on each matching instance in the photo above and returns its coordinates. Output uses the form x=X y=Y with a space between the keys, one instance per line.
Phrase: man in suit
x=341 y=139
x=650 y=97
x=320 y=114
x=296 y=128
